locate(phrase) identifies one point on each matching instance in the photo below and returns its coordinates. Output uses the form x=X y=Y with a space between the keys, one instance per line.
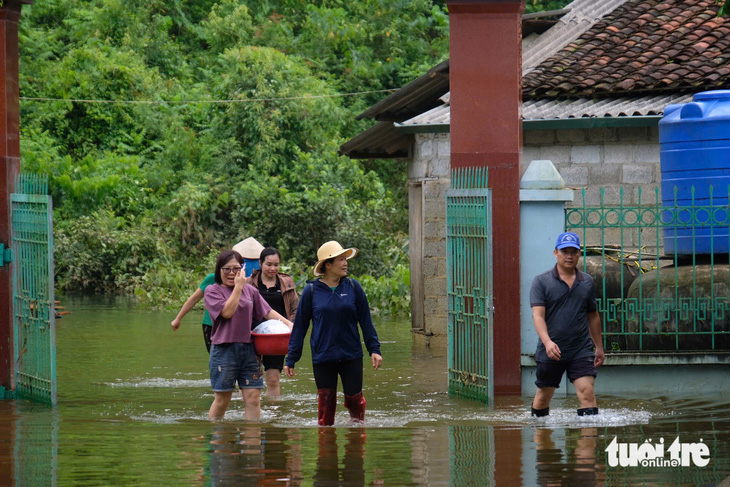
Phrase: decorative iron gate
x=34 y=326
x=651 y=299
x=469 y=263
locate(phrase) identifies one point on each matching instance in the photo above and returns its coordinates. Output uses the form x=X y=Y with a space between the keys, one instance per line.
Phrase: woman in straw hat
x=335 y=304
x=233 y=306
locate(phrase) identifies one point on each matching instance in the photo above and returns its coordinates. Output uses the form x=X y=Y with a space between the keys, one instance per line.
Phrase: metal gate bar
x=34 y=327
x=469 y=262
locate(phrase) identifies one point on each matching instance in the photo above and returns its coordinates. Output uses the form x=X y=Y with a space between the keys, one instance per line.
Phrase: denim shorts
x=234 y=362
x=549 y=374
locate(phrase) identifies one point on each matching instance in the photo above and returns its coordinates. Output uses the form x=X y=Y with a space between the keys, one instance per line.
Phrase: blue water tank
x=695 y=153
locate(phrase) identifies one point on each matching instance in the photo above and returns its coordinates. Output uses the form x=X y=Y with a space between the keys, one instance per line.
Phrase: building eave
x=548 y=124
x=591 y=122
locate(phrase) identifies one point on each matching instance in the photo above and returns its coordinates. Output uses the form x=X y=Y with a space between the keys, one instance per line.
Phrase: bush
x=102 y=253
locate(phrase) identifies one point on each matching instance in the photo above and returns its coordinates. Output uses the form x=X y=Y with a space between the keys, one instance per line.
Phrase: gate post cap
x=542 y=174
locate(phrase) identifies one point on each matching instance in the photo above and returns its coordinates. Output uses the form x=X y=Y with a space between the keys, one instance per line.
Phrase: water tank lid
x=706 y=118
x=712 y=95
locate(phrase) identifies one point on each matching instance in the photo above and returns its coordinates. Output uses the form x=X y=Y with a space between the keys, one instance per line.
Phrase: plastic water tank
x=695 y=153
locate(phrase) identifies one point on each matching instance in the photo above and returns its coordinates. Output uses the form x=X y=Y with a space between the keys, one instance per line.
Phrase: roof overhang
x=388 y=140
x=381 y=141
x=547 y=124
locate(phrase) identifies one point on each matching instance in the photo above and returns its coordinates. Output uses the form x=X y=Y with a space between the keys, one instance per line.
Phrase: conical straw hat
x=249 y=248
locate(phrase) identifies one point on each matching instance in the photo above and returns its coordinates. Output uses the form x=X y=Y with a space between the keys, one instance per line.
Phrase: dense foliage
x=226 y=120
x=544 y=5
x=241 y=139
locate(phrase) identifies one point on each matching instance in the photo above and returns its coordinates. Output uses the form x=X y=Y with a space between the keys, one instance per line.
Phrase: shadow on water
x=133 y=401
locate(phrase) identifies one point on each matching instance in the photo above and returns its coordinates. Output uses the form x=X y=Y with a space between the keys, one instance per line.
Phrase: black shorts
x=549 y=374
x=273 y=362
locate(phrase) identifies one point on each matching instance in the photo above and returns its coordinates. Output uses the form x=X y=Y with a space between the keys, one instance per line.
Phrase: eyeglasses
x=228 y=270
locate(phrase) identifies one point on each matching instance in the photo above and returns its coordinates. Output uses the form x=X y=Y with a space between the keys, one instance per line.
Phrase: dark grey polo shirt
x=566 y=313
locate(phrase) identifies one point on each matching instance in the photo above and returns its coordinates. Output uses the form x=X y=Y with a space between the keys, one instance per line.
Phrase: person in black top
x=279 y=291
x=566 y=318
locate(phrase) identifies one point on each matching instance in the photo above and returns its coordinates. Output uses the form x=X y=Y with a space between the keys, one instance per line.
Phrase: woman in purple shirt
x=233 y=306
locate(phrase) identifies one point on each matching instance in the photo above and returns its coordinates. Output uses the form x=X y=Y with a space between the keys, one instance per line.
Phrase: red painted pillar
x=9 y=167
x=486 y=130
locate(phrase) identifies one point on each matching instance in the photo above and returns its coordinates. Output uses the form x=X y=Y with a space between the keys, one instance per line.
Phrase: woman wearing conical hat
x=335 y=305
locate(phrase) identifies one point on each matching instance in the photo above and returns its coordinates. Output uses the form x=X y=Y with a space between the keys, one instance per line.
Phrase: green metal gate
x=34 y=326
x=469 y=270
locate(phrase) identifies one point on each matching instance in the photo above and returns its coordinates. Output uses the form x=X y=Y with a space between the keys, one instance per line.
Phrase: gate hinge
x=6 y=255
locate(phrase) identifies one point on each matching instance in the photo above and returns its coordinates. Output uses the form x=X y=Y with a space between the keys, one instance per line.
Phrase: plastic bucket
x=271 y=344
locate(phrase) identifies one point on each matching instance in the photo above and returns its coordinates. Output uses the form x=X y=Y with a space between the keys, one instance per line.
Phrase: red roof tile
x=643 y=46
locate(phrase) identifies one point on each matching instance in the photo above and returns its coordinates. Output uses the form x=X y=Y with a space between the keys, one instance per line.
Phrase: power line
x=181 y=102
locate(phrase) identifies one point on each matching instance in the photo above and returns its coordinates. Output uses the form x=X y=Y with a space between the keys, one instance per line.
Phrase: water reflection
x=574 y=462
x=351 y=471
x=29 y=449
x=472 y=455
x=8 y=416
x=253 y=455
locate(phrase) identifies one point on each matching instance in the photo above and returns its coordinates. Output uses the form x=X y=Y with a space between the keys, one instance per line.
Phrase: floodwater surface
x=134 y=396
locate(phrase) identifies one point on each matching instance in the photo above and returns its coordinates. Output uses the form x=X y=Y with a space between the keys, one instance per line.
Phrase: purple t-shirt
x=237 y=329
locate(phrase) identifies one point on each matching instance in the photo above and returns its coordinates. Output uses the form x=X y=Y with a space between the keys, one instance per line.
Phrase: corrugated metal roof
x=548 y=109
x=416 y=97
x=624 y=106
x=390 y=143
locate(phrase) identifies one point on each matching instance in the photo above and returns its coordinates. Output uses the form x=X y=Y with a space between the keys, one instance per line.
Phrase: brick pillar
x=9 y=168
x=486 y=130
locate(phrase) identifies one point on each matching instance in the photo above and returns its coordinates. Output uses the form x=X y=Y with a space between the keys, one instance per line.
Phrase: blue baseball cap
x=568 y=239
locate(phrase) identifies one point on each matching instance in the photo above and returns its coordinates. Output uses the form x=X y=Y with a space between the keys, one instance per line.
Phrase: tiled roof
x=642 y=47
x=581 y=16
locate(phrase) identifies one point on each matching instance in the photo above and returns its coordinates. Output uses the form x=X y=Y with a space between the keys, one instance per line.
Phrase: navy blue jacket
x=334 y=316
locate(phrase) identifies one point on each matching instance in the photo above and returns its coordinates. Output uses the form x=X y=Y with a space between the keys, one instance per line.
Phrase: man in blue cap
x=566 y=318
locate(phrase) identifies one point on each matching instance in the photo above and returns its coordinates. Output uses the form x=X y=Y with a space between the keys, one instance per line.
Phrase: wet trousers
x=325 y=376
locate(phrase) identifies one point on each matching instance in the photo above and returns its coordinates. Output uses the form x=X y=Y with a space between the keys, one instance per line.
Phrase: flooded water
x=134 y=396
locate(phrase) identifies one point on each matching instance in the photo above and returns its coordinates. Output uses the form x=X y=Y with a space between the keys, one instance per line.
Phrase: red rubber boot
x=356 y=405
x=327 y=406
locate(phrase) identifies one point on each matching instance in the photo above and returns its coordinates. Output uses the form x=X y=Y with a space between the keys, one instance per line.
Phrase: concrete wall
x=430 y=168
x=619 y=160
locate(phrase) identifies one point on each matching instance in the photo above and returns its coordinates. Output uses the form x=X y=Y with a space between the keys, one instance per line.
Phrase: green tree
x=532 y=6
x=187 y=175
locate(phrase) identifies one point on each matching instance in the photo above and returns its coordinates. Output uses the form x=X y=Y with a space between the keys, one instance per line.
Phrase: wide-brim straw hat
x=329 y=250
x=249 y=248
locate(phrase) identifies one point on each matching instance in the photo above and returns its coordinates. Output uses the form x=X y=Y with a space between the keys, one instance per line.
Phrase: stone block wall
x=612 y=165
x=430 y=168
x=609 y=158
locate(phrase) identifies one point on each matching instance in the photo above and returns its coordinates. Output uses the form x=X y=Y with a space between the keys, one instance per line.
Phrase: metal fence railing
x=661 y=270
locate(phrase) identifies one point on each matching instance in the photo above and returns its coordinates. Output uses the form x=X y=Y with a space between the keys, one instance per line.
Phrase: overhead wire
x=180 y=102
